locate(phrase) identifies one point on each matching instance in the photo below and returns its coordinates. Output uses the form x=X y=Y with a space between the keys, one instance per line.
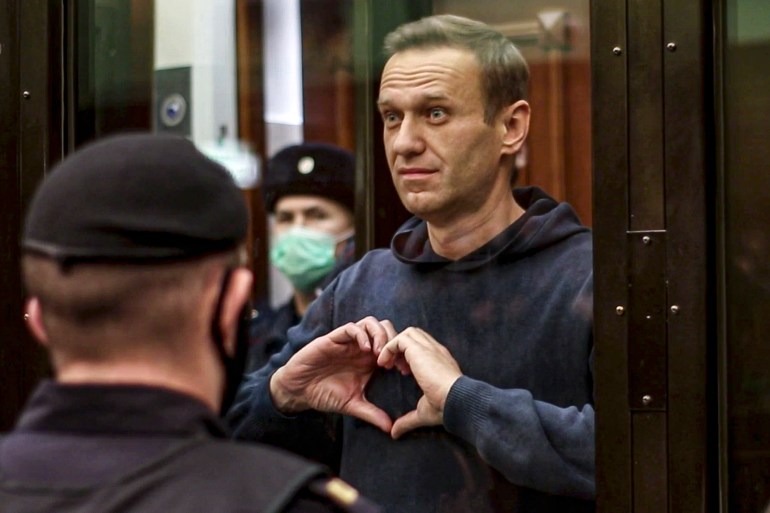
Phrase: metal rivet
x=620 y=310
x=617 y=50
x=671 y=47
x=26 y=316
x=27 y=95
x=674 y=309
x=646 y=400
x=648 y=317
x=646 y=240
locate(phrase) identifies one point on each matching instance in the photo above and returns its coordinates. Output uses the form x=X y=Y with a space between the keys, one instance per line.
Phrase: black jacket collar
x=129 y=410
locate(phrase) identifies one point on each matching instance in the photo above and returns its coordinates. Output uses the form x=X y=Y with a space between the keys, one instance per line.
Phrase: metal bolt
x=671 y=47
x=646 y=240
x=646 y=400
x=674 y=309
x=27 y=95
x=620 y=310
x=617 y=50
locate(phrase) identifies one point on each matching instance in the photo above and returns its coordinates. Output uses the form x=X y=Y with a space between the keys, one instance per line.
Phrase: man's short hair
x=106 y=303
x=504 y=72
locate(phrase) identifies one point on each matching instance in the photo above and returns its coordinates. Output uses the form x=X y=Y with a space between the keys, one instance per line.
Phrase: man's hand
x=434 y=369
x=331 y=372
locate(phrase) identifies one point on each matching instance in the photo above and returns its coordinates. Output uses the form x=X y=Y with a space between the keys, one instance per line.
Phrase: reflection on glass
x=747 y=301
x=245 y=78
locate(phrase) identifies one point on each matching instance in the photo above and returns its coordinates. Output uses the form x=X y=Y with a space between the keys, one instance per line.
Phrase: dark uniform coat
x=93 y=448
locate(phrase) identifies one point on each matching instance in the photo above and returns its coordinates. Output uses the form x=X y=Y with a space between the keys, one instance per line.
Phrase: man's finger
x=389 y=328
x=390 y=353
x=405 y=423
x=389 y=334
x=370 y=413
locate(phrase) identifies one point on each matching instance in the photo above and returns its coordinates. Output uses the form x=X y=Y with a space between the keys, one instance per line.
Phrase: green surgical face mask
x=305 y=256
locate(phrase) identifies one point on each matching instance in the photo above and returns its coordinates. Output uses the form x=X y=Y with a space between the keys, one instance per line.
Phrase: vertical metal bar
x=379 y=212
x=645 y=100
x=610 y=196
x=650 y=463
x=30 y=33
x=656 y=149
x=11 y=325
x=687 y=89
x=722 y=456
x=363 y=70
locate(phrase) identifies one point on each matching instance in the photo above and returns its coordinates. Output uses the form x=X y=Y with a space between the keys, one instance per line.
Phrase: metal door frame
x=31 y=139
x=653 y=212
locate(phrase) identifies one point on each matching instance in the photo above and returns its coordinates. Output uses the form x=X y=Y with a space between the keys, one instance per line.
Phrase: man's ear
x=515 y=126
x=237 y=293
x=33 y=315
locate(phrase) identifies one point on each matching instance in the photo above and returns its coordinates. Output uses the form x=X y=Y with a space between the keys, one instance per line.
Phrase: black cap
x=312 y=168
x=136 y=197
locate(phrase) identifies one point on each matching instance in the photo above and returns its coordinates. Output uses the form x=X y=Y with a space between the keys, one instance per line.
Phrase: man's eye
x=317 y=215
x=437 y=113
x=280 y=219
x=389 y=117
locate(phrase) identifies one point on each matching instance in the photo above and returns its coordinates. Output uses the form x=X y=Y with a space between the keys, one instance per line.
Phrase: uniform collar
x=128 y=410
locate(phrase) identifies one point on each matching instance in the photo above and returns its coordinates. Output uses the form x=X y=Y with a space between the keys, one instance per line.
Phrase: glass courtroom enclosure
x=242 y=79
x=211 y=69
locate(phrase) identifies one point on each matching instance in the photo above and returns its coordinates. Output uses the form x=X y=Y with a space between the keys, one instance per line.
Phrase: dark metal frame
x=30 y=138
x=655 y=389
x=720 y=258
x=379 y=210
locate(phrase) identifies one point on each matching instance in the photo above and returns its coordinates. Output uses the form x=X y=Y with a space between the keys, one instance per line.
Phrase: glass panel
x=245 y=78
x=747 y=246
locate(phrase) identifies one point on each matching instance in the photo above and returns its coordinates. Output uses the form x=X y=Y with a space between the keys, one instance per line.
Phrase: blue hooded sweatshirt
x=516 y=314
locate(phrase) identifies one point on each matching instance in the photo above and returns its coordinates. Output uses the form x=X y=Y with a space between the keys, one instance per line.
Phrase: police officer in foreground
x=137 y=288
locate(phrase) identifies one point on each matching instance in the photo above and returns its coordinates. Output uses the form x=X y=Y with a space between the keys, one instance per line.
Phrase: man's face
x=314 y=212
x=444 y=160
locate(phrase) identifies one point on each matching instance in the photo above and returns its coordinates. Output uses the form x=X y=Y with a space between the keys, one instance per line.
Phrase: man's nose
x=409 y=138
x=299 y=221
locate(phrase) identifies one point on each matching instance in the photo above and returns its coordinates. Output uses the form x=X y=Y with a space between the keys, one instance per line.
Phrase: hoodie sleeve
x=532 y=443
x=253 y=416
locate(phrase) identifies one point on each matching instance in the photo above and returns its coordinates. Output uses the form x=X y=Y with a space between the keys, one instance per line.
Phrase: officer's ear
x=237 y=293
x=34 y=317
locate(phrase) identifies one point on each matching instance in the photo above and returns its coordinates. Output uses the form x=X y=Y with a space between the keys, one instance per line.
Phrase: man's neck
x=455 y=239
x=138 y=373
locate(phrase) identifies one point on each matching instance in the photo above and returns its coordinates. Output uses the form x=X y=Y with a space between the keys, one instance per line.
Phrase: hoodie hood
x=545 y=222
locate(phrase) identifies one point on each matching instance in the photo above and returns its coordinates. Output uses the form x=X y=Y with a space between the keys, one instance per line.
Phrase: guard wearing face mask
x=308 y=190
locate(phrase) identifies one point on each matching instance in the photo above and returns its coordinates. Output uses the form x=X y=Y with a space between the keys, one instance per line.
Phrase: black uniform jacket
x=98 y=448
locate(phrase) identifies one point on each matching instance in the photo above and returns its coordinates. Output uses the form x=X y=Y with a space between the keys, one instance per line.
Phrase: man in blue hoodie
x=460 y=358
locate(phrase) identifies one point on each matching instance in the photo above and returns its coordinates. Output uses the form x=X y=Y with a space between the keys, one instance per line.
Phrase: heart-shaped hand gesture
x=330 y=374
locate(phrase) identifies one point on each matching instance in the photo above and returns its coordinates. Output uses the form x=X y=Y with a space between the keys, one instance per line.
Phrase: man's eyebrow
x=425 y=97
